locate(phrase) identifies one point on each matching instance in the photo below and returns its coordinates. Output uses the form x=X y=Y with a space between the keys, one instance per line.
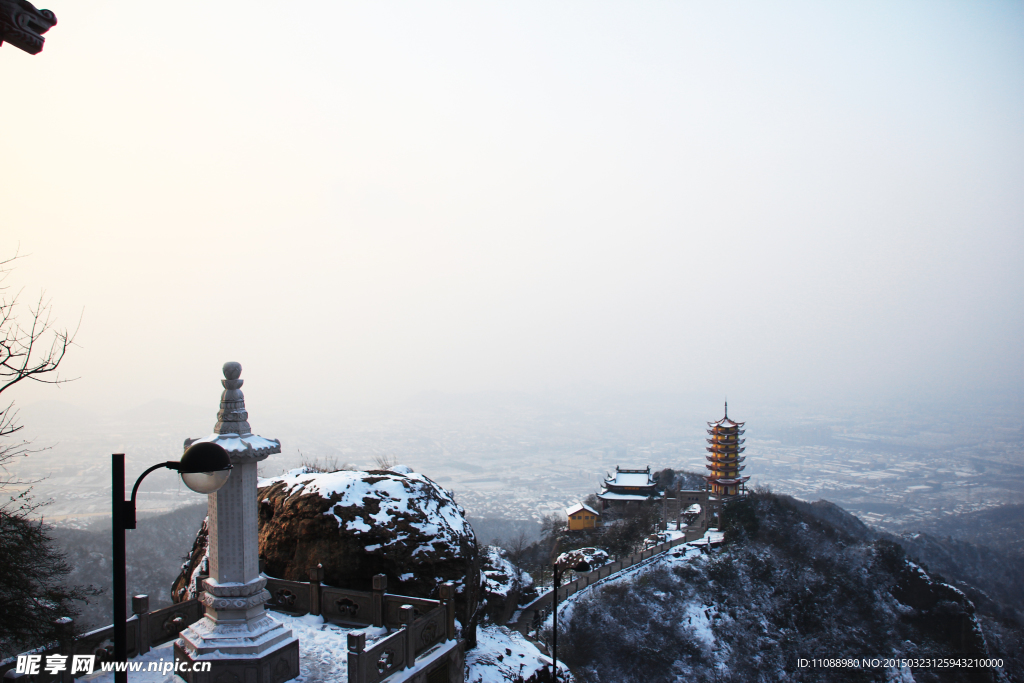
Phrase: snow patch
x=502 y=655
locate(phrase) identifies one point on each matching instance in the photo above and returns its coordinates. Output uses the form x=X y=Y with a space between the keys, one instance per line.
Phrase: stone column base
x=273 y=666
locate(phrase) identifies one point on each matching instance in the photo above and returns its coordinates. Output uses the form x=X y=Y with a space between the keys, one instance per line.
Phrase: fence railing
x=400 y=649
x=544 y=601
x=145 y=630
x=607 y=570
x=421 y=624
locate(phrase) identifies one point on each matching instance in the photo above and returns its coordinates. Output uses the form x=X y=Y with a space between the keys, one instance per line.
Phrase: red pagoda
x=725 y=461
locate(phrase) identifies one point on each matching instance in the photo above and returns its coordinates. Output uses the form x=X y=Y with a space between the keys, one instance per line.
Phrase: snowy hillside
x=786 y=586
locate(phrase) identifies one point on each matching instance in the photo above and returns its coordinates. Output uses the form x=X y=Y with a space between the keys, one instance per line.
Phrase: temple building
x=725 y=461
x=628 y=486
x=582 y=517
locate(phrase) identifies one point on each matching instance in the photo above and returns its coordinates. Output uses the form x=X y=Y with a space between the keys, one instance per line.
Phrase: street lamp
x=204 y=468
x=576 y=561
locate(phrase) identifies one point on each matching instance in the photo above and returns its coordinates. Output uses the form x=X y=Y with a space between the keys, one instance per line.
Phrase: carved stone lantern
x=243 y=642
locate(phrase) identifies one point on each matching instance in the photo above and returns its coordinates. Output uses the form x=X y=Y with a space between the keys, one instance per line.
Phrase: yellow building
x=582 y=517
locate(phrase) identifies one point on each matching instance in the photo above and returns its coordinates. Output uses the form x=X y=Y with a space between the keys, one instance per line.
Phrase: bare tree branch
x=31 y=350
x=33 y=594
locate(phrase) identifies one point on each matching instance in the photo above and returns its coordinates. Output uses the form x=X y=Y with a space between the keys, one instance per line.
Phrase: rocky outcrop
x=503 y=584
x=357 y=524
x=935 y=608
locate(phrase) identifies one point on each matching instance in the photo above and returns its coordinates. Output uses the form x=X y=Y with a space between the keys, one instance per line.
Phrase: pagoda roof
x=717 y=471
x=731 y=451
x=725 y=421
x=730 y=461
x=727 y=482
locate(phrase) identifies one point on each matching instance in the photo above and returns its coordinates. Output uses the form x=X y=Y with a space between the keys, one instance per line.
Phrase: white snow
x=499 y=573
x=631 y=479
x=235 y=443
x=323 y=652
x=501 y=654
x=698 y=617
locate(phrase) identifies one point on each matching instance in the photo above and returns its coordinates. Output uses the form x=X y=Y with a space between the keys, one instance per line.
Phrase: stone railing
x=145 y=630
x=420 y=625
x=399 y=650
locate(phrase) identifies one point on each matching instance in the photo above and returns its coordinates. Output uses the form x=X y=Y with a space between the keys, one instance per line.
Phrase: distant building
x=725 y=461
x=628 y=486
x=582 y=517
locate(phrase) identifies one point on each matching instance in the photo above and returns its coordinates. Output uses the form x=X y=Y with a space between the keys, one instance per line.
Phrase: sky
x=362 y=201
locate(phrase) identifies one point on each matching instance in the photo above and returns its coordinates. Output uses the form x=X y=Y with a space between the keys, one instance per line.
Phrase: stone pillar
x=406 y=618
x=380 y=586
x=448 y=600
x=356 y=658
x=140 y=608
x=243 y=642
x=316 y=577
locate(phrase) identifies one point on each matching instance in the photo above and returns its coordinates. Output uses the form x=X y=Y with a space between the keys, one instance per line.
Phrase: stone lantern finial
x=232 y=417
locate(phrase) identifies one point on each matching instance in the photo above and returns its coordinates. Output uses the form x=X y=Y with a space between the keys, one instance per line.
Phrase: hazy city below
x=519 y=457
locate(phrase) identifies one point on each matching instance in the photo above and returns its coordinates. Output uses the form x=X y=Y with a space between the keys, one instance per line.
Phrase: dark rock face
x=937 y=609
x=357 y=524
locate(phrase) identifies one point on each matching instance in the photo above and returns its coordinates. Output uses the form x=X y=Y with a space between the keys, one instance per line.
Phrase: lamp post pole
x=554 y=626
x=120 y=565
x=204 y=468
x=571 y=560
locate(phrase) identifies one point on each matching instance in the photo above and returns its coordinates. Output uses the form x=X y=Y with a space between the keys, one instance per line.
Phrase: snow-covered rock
x=503 y=584
x=357 y=524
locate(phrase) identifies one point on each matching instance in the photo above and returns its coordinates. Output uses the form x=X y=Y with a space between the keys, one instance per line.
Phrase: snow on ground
x=323 y=652
x=501 y=654
x=698 y=617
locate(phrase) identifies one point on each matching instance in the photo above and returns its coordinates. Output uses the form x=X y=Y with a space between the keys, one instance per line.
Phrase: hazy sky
x=363 y=200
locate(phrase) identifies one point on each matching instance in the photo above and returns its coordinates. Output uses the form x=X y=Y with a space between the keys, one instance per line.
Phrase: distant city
x=514 y=460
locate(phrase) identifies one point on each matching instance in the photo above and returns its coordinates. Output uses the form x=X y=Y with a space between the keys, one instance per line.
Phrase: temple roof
x=580 y=507
x=638 y=478
x=611 y=495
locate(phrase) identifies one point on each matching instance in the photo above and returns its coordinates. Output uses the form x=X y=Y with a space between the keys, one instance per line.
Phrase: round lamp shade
x=205 y=467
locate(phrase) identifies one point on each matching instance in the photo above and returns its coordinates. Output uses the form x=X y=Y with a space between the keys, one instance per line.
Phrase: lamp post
x=204 y=468
x=570 y=560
